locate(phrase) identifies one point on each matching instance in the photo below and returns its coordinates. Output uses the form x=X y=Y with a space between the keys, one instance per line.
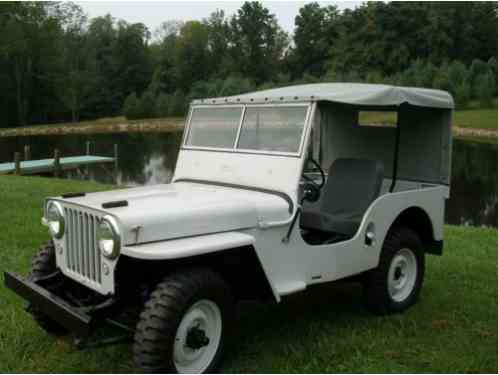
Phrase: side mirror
x=311 y=193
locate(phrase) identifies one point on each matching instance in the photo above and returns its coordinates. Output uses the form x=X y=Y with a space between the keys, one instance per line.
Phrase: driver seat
x=352 y=185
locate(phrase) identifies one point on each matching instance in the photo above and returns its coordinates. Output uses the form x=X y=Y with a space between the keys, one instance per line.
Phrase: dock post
x=87 y=168
x=27 y=153
x=57 y=163
x=17 y=162
x=116 y=162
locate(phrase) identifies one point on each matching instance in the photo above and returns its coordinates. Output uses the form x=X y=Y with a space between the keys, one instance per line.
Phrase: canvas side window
x=378 y=118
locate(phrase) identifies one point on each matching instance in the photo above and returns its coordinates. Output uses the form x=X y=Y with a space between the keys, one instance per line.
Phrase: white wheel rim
x=402 y=275
x=203 y=316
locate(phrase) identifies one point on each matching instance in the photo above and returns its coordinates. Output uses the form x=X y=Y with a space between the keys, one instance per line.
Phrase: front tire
x=184 y=324
x=43 y=265
x=395 y=284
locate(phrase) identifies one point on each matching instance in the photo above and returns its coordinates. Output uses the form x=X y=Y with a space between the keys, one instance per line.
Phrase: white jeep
x=273 y=192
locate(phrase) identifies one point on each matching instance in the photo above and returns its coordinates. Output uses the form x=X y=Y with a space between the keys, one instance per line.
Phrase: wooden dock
x=49 y=165
x=58 y=164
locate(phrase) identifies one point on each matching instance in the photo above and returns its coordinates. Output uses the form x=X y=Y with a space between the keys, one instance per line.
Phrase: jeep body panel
x=183 y=209
x=189 y=246
x=293 y=265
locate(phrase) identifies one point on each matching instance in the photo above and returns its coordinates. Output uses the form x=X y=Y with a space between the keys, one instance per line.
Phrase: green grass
x=477 y=118
x=473 y=117
x=454 y=327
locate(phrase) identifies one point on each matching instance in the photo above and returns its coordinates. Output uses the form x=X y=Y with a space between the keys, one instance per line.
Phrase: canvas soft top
x=358 y=94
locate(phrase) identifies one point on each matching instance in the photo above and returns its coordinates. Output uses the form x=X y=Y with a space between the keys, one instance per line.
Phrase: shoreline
x=474 y=132
x=166 y=125
x=104 y=126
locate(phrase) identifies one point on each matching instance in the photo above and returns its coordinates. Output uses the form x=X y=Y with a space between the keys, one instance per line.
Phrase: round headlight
x=108 y=237
x=55 y=219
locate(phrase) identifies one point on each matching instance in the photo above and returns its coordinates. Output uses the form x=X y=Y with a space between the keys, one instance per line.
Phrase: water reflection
x=147 y=159
x=474 y=184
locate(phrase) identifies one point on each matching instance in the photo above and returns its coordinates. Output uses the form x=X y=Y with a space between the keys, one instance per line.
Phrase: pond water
x=150 y=158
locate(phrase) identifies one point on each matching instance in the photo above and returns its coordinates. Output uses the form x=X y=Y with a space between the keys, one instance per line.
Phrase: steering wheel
x=322 y=175
x=312 y=189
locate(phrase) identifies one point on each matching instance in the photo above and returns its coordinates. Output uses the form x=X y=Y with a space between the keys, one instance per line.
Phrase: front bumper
x=53 y=306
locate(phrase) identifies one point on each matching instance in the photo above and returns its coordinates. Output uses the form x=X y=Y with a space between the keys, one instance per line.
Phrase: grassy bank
x=105 y=125
x=454 y=328
x=472 y=122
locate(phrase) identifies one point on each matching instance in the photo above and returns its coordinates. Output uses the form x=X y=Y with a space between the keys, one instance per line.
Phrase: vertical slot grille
x=82 y=252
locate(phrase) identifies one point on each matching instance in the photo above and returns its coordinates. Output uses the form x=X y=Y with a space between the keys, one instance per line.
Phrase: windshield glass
x=272 y=129
x=264 y=128
x=214 y=127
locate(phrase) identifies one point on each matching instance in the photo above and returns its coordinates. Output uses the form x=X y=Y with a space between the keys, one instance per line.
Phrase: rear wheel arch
x=418 y=220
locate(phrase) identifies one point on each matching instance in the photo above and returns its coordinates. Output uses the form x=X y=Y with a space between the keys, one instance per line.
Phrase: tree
x=166 y=29
x=258 y=42
x=219 y=44
x=314 y=35
x=105 y=99
x=131 y=58
x=78 y=71
x=191 y=55
x=30 y=44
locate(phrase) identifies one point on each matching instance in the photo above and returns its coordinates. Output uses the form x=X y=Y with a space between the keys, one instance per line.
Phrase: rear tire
x=43 y=264
x=395 y=284
x=184 y=325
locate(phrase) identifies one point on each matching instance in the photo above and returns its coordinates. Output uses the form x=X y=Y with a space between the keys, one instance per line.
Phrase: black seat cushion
x=352 y=185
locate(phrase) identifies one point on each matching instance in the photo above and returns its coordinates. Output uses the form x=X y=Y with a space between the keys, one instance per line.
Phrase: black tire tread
x=43 y=264
x=158 y=322
x=376 y=297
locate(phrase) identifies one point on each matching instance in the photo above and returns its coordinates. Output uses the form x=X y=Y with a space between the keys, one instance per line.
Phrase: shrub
x=484 y=89
x=178 y=104
x=132 y=108
x=148 y=105
x=493 y=68
x=441 y=79
x=461 y=94
x=374 y=77
x=459 y=83
x=163 y=104
x=235 y=85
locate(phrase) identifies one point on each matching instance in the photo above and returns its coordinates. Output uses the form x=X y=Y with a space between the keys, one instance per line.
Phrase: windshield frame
x=234 y=149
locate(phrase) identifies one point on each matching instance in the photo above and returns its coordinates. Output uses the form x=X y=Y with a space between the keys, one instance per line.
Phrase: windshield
x=263 y=128
x=214 y=127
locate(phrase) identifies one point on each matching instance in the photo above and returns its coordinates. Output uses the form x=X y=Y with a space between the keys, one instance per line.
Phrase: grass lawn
x=454 y=328
x=477 y=118
x=473 y=117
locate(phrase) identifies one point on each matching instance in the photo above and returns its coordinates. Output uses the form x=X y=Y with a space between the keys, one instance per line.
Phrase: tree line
x=56 y=64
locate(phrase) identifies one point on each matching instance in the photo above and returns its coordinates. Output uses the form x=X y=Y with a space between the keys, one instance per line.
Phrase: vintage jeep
x=273 y=192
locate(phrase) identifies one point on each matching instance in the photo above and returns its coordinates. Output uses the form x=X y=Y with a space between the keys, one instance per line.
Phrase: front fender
x=188 y=246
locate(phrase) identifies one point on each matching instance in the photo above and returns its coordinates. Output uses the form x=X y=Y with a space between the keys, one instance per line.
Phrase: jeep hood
x=184 y=209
